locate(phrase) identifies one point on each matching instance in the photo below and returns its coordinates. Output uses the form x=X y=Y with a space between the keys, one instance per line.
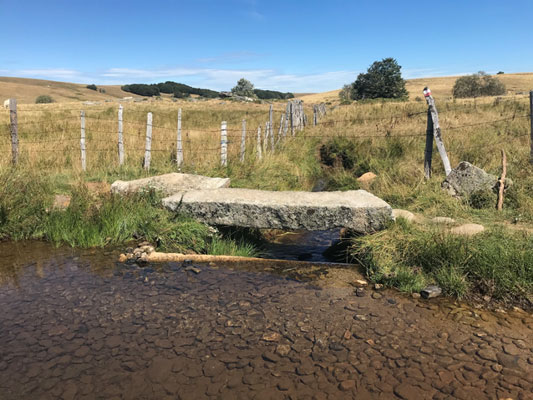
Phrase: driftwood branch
x=502 y=181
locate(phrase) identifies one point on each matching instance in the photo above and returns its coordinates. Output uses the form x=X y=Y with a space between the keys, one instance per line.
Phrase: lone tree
x=477 y=85
x=383 y=79
x=243 y=88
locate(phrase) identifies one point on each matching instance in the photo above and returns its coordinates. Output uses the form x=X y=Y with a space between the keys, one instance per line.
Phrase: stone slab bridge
x=357 y=210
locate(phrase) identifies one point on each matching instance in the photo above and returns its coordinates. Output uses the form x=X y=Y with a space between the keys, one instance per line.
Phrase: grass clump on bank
x=98 y=220
x=497 y=264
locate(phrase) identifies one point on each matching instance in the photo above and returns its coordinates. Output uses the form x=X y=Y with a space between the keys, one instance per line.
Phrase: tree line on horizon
x=180 y=90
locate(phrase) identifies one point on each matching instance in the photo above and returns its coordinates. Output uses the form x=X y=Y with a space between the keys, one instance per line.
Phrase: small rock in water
x=376 y=295
x=283 y=349
x=415 y=295
x=378 y=286
x=122 y=258
x=360 y=283
x=193 y=269
x=271 y=337
x=360 y=292
x=431 y=291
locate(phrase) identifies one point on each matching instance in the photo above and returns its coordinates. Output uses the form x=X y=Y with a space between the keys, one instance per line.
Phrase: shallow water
x=77 y=325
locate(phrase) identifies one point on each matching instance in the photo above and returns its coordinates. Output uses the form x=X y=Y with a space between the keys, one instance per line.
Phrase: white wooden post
x=120 y=135
x=148 y=145
x=243 y=140
x=82 y=142
x=13 y=120
x=259 y=151
x=179 y=144
x=223 y=145
x=436 y=131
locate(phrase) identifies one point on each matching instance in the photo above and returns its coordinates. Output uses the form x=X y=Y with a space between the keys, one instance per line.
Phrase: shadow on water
x=79 y=325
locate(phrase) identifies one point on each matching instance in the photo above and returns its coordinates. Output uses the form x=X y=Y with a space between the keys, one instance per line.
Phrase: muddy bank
x=77 y=325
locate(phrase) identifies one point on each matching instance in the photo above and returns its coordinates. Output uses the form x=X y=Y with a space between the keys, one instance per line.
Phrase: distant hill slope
x=26 y=90
x=440 y=87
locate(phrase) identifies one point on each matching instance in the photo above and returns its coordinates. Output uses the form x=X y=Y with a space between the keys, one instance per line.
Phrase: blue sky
x=300 y=46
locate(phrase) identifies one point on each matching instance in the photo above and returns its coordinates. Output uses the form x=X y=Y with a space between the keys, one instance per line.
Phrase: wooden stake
x=243 y=140
x=179 y=144
x=531 y=127
x=265 y=137
x=82 y=142
x=14 y=131
x=428 y=153
x=223 y=144
x=436 y=131
x=282 y=119
x=315 y=116
x=120 y=136
x=148 y=145
x=502 y=181
x=271 y=121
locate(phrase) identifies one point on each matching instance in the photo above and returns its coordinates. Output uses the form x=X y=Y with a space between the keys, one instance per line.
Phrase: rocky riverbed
x=77 y=325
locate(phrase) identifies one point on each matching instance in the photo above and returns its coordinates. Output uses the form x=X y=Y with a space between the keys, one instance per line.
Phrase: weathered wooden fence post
x=531 y=128
x=280 y=130
x=270 y=120
x=315 y=116
x=259 y=150
x=243 y=140
x=265 y=138
x=120 y=135
x=148 y=145
x=428 y=152
x=82 y=141
x=179 y=143
x=437 y=131
x=291 y=107
x=223 y=144
x=13 y=120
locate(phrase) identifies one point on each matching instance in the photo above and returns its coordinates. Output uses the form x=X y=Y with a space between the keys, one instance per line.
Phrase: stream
x=76 y=324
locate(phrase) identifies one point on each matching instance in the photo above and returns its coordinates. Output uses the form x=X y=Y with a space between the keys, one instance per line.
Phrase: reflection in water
x=76 y=325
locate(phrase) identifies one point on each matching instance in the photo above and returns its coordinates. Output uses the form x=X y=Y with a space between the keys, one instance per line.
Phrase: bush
x=244 y=88
x=272 y=95
x=383 y=79
x=346 y=94
x=477 y=85
x=142 y=89
x=92 y=87
x=43 y=99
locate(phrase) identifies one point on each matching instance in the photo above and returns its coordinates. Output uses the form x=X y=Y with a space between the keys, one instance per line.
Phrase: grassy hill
x=26 y=90
x=440 y=87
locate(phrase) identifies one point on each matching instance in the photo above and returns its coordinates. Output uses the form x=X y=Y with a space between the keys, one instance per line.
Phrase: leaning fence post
x=428 y=153
x=531 y=128
x=120 y=136
x=243 y=140
x=14 y=131
x=436 y=131
x=259 y=151
x=223 y=144
x=148 y=145
x=179 y=144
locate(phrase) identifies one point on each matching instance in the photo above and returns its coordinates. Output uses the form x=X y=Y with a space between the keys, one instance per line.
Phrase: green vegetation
x=243 y=88
x=383 y=79
x=44 y=99
x=272 y=95
x=497 y=264
x=92 y=87
x=477 y=85
x=142 y=89
x=93 y=220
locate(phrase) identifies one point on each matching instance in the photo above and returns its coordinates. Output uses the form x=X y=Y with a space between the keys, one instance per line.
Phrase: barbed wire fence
x=243 y=143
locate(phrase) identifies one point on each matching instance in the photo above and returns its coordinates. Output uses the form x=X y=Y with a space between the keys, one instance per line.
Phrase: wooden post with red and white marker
x=434 y=128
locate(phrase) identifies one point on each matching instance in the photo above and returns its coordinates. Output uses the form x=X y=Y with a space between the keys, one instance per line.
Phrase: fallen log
x=157 y=257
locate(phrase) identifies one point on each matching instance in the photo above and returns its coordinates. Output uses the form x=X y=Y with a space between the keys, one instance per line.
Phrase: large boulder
x=170 y=183
x=467 y=179
x=356 y=209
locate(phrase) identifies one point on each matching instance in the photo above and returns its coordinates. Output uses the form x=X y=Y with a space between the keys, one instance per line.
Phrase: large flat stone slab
x=356 y=209
x=170 y=183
